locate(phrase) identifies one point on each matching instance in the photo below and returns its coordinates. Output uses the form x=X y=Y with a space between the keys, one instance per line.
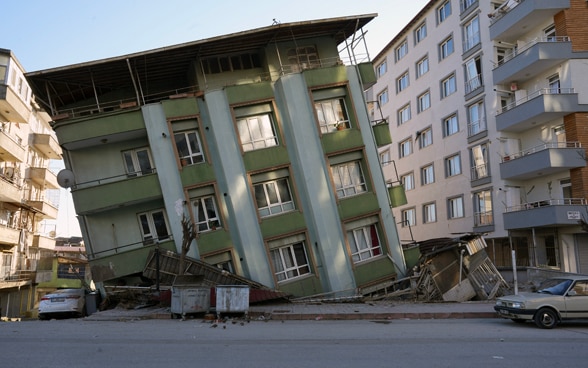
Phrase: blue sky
x=46 y=34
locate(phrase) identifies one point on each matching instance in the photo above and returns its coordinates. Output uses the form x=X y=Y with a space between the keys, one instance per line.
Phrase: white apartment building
x=485 y=101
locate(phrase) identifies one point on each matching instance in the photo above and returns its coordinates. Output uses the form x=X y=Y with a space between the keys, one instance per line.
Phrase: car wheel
x=519 y=320
x=43 y=317
x=546 y=318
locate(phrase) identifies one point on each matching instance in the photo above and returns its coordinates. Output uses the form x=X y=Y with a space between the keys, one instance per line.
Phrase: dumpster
x=189 y=296
x=232 y=299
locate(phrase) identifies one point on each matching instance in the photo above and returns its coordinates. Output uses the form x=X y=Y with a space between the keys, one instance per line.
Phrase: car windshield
x=554 y=286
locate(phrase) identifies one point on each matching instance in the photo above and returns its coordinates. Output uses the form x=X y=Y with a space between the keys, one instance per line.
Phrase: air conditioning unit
x=514 y=86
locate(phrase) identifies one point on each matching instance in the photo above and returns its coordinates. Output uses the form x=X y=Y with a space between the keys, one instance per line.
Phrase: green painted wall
x=342 y=140
x=325 y=76
x=282 y=224
x=179 y=107
x=265 y=158
x=214 y=240
x=195 y=174
x=358 y=205
x=303 y=287
x=249 y=92
x=371 y=271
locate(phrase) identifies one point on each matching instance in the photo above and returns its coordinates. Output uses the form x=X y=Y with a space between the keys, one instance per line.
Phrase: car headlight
x=517 y=305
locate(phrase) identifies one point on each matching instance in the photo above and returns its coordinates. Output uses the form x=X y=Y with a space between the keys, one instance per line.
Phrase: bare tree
x=189 y=232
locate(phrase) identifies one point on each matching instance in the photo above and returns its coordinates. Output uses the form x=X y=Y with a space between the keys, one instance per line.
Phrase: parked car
x=63 y=303
x=556 y=299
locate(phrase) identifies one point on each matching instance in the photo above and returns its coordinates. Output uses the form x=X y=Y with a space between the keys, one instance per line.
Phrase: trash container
x=232 y=299
x=189 y=295
x=92 y=302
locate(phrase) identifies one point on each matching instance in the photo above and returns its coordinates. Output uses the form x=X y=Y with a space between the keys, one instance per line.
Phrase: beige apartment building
x=487 y=105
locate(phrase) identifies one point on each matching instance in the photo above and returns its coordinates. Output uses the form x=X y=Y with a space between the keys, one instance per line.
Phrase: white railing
x=532 y=95
x=503 y=9
x=473 y=84
x=546 y=203
x=520 y=49
x=541 y=147
x=476 y=127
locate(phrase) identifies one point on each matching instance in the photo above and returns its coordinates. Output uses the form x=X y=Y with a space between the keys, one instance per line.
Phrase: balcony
x=537 y=108
x=109 y=193
x=12 y=105
x=10 y=148
x=532 y=59
x=41 y=241
x=545 y=159
x=47 y=210
x=43 y=177
x=514 y=19
x=9 y=190
x=47 y=145
x=9 y=235
x=550 y=212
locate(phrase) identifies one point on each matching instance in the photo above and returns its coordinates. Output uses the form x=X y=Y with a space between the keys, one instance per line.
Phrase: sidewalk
x=328 y=311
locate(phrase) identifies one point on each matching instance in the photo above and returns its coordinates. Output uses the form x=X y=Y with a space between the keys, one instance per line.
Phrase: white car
x=63 y=303
x=556 y=299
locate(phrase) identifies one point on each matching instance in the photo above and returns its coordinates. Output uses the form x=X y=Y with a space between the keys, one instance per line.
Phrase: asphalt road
x=196 y=343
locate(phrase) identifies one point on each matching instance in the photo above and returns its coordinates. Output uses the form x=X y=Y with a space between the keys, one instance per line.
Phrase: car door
x=577 y=300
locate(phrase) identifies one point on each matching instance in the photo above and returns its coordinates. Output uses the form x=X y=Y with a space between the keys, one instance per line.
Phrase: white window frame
x=453 y=165
x=407 y=181
x=476 y=118
x=480 y=161
x=450 y=125
x=405 y=148
x=348 y=179
x=364 y=243
x=273 y=197
x=446 y=48
x=427 y=174
x=189 y=147
x=471 y=33
x=332 y=114
x=408 y=217
x=455 y=207
x=290 y=261
x=404 y=114
x=425 y=137
x=383 y=97
x=138 y=161
x=424 y=101
x=422 y=67
x=257 y=132
x=444 y=11
x=385 y=158
x=448 y=86
x=206 y=208
x=402 y=82
x=429 y=213
x=150 y=223
x=381 y=69
x=420 y=33
x=473 y=70
x=483 y=214
x=401 y=50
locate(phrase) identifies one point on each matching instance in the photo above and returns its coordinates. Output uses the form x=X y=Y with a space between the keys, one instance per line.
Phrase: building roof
x=77 y=82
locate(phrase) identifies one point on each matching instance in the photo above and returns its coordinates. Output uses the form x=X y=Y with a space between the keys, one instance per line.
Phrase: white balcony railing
x=520 y=49
x=547 y=202
x=532 y=95
x=542 y=147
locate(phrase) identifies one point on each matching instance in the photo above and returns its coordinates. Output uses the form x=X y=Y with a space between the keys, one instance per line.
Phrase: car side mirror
x=572 y=293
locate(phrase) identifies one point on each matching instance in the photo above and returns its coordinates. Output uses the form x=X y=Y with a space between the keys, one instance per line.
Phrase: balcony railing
x=541 y=147
x=480 y=171
x=476 y=127
x=483 y=218
x=503 y=9
x=546 y=203
x=17 y=275
x=528 y=45
x=532 y=95
x=473 y=84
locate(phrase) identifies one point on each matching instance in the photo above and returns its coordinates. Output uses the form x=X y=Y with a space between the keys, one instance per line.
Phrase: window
x=422 y=66
x=138 y=162
x=465 y=4
x=424 y=101
x=427 y=175
x=471 y=33
x=448 y=86
x=273 y=197
x=402 y=82
x=303 y=57
x=477 y=119
x=189 y=148
x=483 y=208
x=453 y=165
x=290 y=261
x=549 y=33
x=444 y=11
x=223 y=261
x=381 y=69
x=383 y=97
x=257 y=132
x=401 y=50
x=364 y=243
x=455 y=207
x=404 y=114
x=207 y=217
x=405 y=147
x=480 y=167
x=425 y=137
x=420 y=33
x=446 y=48
x=566 y=188
x=429 y=213
x=559 y=136
x=385 y=158
x=554 y=86
x=408 y=217
x=473 y=69
x=348 y=179
x=154 y=226
x=230 y=63
x=332 y=115
x=450 y=125
x=407 y=181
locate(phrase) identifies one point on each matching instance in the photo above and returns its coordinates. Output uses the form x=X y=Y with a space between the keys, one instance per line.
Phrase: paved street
x=467 y=343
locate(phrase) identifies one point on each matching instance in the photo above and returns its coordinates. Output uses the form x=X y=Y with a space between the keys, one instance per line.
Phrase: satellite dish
x=65 y=178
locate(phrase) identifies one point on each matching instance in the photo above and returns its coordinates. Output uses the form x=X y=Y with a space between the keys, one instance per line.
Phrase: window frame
x=483 y=208
x=411 y=181
x=443 y=11
x=401 y=50
x=364 y=249
x=448 y=86
x=404 y=114
x=446 y=48
x=429 y=213
x=424 y=101
x=422 y=66
x=448 y=122
x=137 y=162
x=274 y=202
x=383 y=97
x=425 y=137
x=453 y=165
x=209 y=223
x=402 y=82
x=408 y=221
x=480 y=161
x=190 y=156
x=427 y=174
x=153 y=226
x=352 y=185
x=402 y=144
x=420 y=33
x=471 y=35
x=381 y=69
x=455 y=204
x=284 y=272
x=250 y=143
